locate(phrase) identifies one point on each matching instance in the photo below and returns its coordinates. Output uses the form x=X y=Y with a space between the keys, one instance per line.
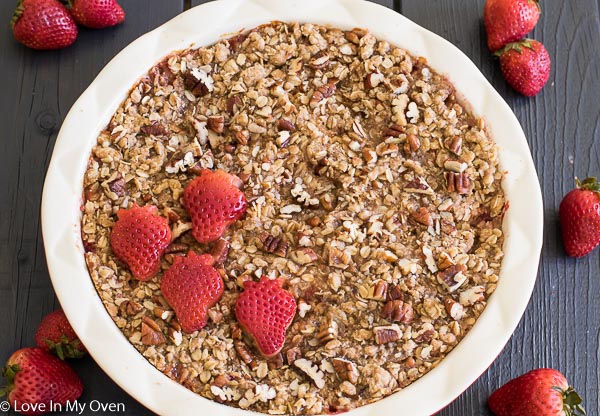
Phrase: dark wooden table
x=561 y=327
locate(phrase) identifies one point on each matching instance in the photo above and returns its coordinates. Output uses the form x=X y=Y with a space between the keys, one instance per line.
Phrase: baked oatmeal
x=373 y=195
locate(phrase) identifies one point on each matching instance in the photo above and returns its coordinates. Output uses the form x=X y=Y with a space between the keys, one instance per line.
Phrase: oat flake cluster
x=373 y=192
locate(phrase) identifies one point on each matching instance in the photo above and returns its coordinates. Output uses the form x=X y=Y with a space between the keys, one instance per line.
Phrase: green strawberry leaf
x=515 y=46
x=9 y=372
x=17 y=13
x=589 y=184
x=572 y=402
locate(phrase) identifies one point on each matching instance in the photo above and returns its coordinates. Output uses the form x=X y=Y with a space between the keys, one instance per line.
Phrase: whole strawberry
x=509 y=20
x=56 y=335
x=43 y=24
x=192 y=286
x=265 y=310
x=139 y=238
x=37 y=380
x=541 y=392
x=580 y=218
x=525 y=65
x=97 y=14
x=214 y=202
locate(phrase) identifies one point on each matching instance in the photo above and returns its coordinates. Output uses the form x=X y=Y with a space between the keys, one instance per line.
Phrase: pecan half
x=324 y=91
x=193 y=84
x=394 y=130
x=285 y=125
x=385 y=334
x=398 y=311
x=345 y=369
x=130 y=308
x=154 y=129
x=453 y=277
x=458 y=182
x=151 y=333
x=216 y=123
x=454 y=144
x=273 y=245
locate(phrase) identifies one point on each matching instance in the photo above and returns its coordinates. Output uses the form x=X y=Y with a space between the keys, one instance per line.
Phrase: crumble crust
x=373 y=191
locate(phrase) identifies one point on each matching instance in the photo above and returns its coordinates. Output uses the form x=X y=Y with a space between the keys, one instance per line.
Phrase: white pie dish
x=64 y=186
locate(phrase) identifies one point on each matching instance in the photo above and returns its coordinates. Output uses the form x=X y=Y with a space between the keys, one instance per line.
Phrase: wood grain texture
x=561 y=327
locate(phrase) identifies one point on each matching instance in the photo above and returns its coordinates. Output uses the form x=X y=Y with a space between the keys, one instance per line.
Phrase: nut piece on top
x=265 y=310
x=214 y=202
x=139 y=238
x=192 y=286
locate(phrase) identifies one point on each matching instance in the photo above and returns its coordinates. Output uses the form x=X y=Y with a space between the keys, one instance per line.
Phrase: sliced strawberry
x=37 y=380
x=214 y=202
x=139 y=238
x=580 y=218
x=191 y=286
x=56 y=335
x=265 y=310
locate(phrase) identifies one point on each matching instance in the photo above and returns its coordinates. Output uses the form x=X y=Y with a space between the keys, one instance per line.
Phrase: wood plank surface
x=561 y=327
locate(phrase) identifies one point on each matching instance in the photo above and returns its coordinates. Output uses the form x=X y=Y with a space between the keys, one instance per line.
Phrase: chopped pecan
x=275 y=362
x=379 y=291
x=445 y=261
x=245 y=354
x=394 y=130
x=171 y=215
x=396 y=293
x=234 y=103
x=220 y=251
x=454 y=144
x=453 y=277
x=458 y=182
x=216 y=123
x=177 y=248
x=328 y=331
x=285 y=125
x=130 y=308
x=338 y=258
x=311 y=370
x=454 y=309
x=314 y=221
x=455 y=166
x=324 y=91
x=304 y=256
x=412 y=144
x=220 y=381
x=273 y=245
x=163 y=74
x=151 y=333
x=292 y=354
x=369 y=155
x=385 y=334
x=372 y=80
x=426 y=336
x=242 y=137
x=320 y=60
x=398 y=311
x=328 y=202
x=162 y=313
x=230 y=148
x=422 y=216
x=418 y=186
x=215 y=315
x=346 y=370
x=194 y=84
x=155 y=129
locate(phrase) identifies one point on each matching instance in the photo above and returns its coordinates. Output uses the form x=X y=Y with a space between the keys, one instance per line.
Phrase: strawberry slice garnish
x=265 y=310
x=214 y=202
x=56 y=335
x=580 y=218
x=139 y=238
x=191 y=286
x=38 y=380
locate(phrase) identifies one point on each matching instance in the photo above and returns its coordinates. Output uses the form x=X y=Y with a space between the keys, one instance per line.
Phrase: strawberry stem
x=9 y=372
x=17 y=13
x=589 y=184
x=516 y=46
x=572 y=402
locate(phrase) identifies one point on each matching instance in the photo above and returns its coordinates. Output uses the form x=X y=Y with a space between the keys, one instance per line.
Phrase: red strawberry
x=509 y=20
x=97 y=14
x=56 y=335
x=139 y=238
x=265 y=310
x=37 y=379
x=43 y=24
x=192 y=286
x=541 y=392
x=214 y=202
x=580 y=218
x=525 y=66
